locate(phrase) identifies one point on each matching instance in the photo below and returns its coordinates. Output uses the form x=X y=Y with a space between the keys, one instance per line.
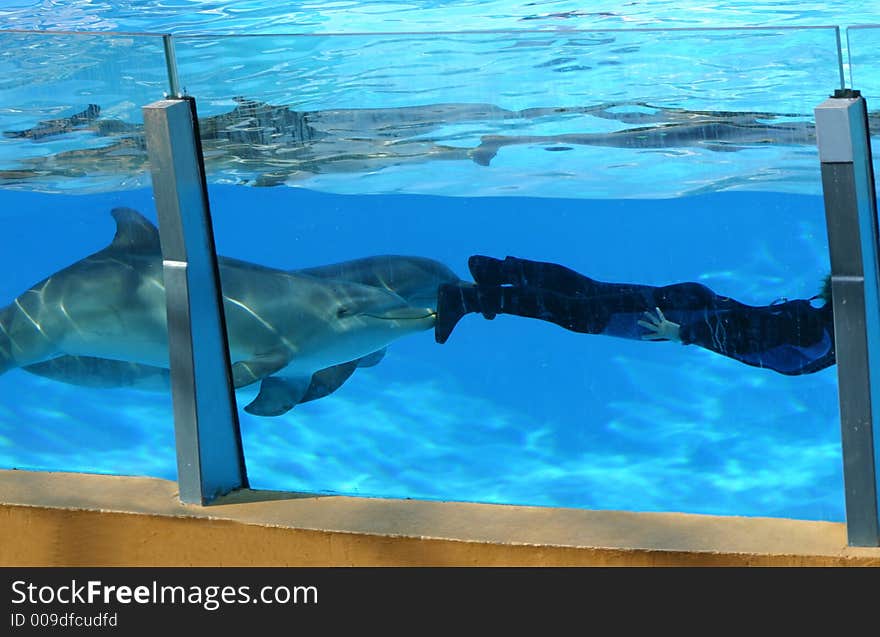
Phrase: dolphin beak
x=406 y=313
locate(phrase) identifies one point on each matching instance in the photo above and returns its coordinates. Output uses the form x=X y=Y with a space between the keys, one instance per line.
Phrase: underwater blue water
x=510 y=410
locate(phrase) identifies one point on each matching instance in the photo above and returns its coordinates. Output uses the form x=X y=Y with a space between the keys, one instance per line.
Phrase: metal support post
x=851 y=216
x=210 y=459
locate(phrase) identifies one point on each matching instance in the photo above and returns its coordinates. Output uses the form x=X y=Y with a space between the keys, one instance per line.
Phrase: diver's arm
x=742 y=330
x=792 y=338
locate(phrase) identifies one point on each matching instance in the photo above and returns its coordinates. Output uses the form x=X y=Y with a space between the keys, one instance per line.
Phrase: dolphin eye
x=342 y=311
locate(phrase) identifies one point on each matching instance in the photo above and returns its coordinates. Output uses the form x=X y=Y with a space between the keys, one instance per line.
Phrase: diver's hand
x=658 y=328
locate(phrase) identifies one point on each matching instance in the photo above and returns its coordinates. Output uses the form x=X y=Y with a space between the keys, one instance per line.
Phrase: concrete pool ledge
x=68 y=519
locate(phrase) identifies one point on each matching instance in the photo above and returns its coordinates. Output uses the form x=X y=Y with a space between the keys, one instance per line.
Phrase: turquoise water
x=512 y=410
x=507 y=411
x=258 y=16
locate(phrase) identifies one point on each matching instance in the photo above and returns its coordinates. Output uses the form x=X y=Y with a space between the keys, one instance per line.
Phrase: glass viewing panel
x=862 y=43
x=70 y=109
x=649 y=157
x=573 y=114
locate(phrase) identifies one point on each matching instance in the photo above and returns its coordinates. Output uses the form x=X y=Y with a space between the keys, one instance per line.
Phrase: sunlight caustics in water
x=620 y=154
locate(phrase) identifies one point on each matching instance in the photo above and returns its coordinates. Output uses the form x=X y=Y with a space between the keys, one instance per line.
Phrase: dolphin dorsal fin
x=134 y=232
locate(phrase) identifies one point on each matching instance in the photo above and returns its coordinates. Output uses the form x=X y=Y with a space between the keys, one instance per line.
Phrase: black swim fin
x=451 y=307
x=487 y=270
x=454 y=300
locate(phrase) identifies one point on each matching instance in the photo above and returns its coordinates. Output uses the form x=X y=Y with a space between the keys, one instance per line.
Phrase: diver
x=790 y=337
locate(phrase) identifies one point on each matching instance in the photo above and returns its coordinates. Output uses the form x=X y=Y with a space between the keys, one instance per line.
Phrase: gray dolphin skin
x=101 y=322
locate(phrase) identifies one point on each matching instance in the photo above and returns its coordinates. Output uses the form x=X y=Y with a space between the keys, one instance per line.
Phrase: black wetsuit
x=790 y=337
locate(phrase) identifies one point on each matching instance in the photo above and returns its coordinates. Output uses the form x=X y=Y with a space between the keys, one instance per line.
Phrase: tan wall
x=77 y=519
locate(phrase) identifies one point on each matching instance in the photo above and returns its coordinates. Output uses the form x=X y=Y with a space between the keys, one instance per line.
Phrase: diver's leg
x=522 y=272
x=578 y=314
x=596 y=308
x=548 y=276
x=585 y=315
x=612 y=309
x=562 y=280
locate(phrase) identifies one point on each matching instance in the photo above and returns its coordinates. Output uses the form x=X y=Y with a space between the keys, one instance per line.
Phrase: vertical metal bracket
x=171 y=67
x=851 y=216
x=210 y=458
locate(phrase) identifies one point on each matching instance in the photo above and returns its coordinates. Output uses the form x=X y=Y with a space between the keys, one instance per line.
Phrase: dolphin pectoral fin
x=371 y=360
x=328 y=380
x=250 y=371
x=88 y=371
x=278 y=396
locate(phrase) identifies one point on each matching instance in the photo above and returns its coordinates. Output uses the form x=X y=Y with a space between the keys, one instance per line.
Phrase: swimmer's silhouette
x=790 y=337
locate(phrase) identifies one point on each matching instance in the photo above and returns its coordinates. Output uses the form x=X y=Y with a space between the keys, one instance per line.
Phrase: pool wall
x=56 y=519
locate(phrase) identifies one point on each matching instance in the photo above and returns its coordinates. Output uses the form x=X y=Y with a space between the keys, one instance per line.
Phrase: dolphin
x=101 y=321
